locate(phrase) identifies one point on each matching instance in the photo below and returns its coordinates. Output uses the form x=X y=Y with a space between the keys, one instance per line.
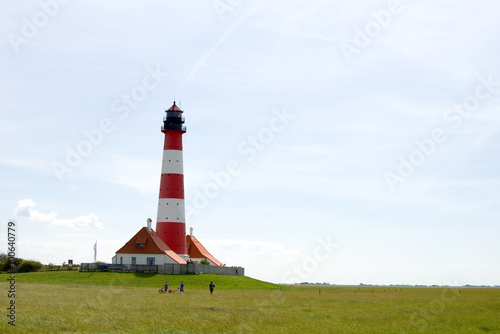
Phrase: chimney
x=149 y=223
x=191 y=232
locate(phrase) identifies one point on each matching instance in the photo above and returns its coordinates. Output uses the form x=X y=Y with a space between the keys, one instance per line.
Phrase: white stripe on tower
x=172 y=162
x=171 y=209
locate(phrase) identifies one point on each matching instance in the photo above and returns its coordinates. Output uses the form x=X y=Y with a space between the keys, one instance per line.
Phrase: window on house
x=150 y=261
x=121 y=259
x=133 y=260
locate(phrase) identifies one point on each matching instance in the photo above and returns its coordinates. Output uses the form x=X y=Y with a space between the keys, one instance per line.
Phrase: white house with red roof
x=146 y=247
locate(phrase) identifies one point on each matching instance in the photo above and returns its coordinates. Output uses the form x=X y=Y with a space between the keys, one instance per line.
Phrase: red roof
x=196 y=250
x=174 y=108
x=148 y=242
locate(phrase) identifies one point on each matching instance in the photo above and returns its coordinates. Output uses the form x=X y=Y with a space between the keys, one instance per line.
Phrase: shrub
x=29 y=266
x=51 y=267
x=9 y=264
x=204 y=261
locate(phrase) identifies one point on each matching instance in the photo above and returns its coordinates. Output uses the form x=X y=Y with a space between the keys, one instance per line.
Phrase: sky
x=343 y=142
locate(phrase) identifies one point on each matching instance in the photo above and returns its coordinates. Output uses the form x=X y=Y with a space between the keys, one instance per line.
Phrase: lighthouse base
x=174 y=235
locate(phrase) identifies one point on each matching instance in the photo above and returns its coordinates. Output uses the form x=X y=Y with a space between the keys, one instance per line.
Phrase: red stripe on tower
x=171 y=221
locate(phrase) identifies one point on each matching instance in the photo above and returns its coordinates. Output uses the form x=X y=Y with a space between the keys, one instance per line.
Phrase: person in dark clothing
x=212 y=286
x=181 y=287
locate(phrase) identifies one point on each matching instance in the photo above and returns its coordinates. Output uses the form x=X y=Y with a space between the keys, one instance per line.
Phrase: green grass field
x=75 y=302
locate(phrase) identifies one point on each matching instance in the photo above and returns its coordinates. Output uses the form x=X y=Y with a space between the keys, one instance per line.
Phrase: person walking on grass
x=212 y=286
x=165 y=287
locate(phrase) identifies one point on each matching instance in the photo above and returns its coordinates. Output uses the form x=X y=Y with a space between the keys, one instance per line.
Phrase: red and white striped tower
x=171 y=221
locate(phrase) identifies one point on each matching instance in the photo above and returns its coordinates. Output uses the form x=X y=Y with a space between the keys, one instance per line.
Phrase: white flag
x=95 y=250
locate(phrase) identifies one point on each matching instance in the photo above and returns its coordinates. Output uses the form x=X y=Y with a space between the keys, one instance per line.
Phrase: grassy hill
x=101 y=302
x=140 y=280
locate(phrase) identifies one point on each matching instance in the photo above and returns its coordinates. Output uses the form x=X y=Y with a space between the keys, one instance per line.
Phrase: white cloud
x=266 y=260
x=25 y=208
x=140 y=174
x=272 y=249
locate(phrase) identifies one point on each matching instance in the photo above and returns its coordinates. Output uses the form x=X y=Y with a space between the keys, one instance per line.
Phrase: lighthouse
x=171 y=221
x=169 y=244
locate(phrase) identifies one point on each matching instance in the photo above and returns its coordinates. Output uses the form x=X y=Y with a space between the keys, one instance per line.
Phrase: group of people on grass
x=181 y=287
x=166 y=288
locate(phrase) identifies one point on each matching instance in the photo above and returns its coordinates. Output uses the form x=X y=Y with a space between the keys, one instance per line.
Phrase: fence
x=172 y=268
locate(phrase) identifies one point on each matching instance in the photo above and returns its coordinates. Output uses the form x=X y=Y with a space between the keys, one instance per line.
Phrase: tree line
x=18 y=265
